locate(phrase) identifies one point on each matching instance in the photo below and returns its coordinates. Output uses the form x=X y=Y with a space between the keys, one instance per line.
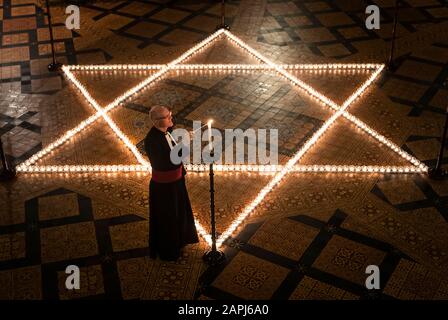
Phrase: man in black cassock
x=171 y=218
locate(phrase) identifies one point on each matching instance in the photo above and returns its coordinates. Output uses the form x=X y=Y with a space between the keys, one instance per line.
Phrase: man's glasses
x=169 y=115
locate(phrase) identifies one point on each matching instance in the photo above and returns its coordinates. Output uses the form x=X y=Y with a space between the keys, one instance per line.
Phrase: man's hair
x=156 y=109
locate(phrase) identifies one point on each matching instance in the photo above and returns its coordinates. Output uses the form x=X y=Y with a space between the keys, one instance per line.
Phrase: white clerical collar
x=170 y=139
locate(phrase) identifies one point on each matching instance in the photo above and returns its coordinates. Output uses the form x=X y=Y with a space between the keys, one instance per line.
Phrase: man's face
x=164 y=118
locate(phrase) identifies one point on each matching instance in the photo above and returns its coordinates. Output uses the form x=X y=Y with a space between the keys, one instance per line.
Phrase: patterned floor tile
x=103 y=210
x=311 y=289
x=432 y=53
x=21 y=284
x=175 y=280
x=69 y=241
x=284 y=237
x=101 y=84
x=12 y=246
x=130 y=236
x=425 y=149
x=58 y=206
x=19 y=24
x=408 y=69
x=315 y=35
x=133 y=276
x=408 y=191
x=334 y=19
x=103 y=143
x=348 y=259
x=138 y=9
x=413 y=282
x=399 y=88
x=251 y=278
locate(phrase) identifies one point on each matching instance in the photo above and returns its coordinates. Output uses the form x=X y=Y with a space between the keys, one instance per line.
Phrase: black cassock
x=170 y=216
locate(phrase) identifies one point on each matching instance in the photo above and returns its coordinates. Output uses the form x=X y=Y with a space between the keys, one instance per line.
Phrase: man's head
x=161 y=117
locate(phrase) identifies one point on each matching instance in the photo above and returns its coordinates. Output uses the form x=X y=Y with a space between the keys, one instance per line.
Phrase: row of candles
x=227 y=168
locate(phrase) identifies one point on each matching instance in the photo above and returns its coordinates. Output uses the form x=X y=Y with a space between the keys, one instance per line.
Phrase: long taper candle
x=209 y=124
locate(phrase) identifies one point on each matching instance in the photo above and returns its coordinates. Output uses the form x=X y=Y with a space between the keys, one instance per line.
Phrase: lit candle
x=209 y=124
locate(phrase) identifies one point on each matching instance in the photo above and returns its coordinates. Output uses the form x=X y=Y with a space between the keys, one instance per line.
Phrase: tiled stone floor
x=311 y=238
